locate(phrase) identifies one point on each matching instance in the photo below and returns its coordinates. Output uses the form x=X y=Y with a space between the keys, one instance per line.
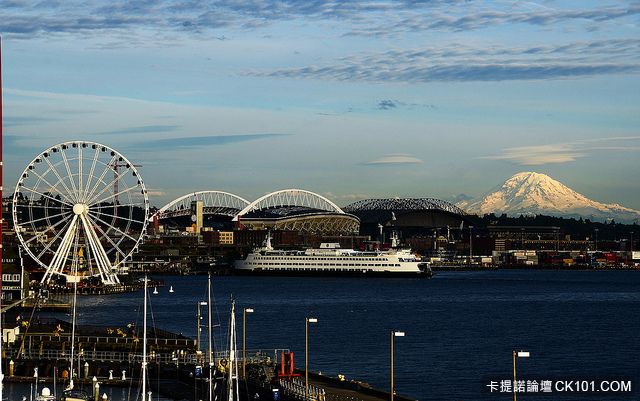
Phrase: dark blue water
x=461 y=327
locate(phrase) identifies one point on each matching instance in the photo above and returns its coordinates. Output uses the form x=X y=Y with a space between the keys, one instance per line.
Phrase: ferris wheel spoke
x=33 y=191
x=100 y=179
x=39 y=235
x=116 y=178
x=64 y=231
x=61 y=180
x=113 y=227
x=47 y=218
x=90 y=175
x=105 y=235
x=66 y=165
x=120 y=217
x=100 y=256
x=61 y=254
x=52 y=186
x=80 y=176
x=99 y=206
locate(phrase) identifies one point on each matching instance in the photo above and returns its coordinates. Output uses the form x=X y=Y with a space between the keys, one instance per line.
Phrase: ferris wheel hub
x=80 y=208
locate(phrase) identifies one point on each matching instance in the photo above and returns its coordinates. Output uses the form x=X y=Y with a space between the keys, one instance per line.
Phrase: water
x=461 y=327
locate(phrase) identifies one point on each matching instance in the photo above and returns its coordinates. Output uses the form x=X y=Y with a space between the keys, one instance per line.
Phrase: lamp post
x=518 y=354
x=470 y=244
x=596 y=243
x=244 y=341
x=201 y=303
x=631 y=246
x=306 y=354
x=393 y=334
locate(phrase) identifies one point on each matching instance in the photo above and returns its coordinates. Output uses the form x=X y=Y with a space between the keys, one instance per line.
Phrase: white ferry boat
x=329 y=260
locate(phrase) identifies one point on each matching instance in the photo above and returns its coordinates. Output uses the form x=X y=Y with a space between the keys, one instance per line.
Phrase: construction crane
x=116 y=178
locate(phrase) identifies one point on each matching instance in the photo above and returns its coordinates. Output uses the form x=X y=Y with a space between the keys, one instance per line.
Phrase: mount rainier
x=530 y=193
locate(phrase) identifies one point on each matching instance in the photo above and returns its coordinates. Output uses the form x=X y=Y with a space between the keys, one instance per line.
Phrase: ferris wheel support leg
x=102 y=260
x=61 y=254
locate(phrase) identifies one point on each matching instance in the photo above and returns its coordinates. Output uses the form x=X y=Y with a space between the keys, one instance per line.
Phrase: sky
x=348 y=99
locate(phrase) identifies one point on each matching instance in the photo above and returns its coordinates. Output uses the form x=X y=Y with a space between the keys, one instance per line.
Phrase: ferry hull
x=426 y=273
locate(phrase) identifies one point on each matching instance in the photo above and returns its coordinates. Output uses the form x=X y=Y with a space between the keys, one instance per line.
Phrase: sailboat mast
x=211 y=362
x=78 y=255
x=144 y=343
x=232 y=380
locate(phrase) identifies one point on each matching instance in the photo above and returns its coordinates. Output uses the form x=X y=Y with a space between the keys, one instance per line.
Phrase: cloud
x=156 y=192
x=468 y=17
x=14 y=121
x=386 y=104
x=462 y=63
x=394 y=159
x=539 y=155
x=353 y=17
x=560 y=153
x=198 y=141
x=141 y=130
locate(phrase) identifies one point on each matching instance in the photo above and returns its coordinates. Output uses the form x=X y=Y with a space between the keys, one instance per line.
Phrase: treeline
x=578 y=228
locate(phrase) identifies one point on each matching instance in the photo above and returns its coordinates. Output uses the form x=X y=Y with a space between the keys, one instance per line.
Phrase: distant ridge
x=530 y=193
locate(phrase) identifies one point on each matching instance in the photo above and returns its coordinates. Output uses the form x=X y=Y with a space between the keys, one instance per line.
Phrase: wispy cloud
x=13 y=121
x=354 y=17
x=387 y=104
x=390 y=104
x=198 y=141
x=459 y=62
x=558 y=153
x=394 y=159
x=145 y=129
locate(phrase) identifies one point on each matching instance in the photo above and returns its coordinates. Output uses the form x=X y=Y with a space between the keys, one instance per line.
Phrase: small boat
x=155 y=290
x=171 y=289
x=75 y=395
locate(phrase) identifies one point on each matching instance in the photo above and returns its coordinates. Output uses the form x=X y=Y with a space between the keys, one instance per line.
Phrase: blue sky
x=348 y=99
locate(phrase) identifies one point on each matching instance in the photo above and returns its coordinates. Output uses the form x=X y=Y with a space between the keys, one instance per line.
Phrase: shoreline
x=437 y=268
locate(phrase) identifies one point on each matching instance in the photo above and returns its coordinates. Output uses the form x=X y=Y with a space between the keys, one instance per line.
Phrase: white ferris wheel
x=80 y=210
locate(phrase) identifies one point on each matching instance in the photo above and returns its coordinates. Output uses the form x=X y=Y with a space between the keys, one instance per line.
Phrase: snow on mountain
x=534 y=193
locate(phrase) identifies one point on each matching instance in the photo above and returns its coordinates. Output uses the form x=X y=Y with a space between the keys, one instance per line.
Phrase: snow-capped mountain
x=533 y=193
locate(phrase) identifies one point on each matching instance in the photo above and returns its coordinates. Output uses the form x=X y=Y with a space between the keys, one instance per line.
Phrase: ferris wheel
x=80 y=210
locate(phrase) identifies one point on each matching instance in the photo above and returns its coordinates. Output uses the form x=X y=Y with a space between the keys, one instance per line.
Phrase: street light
x=244 y=340
x=518 y=354
x=393 y=334
x=306 y=354
x=470 y=244
x=201 y=303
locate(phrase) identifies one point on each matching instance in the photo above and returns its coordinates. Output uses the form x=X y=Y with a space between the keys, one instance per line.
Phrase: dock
x=177 y=369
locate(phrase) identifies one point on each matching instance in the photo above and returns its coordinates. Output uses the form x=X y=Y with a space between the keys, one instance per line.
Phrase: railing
x=295 y=388
x=177 y=357
x=66 y=337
